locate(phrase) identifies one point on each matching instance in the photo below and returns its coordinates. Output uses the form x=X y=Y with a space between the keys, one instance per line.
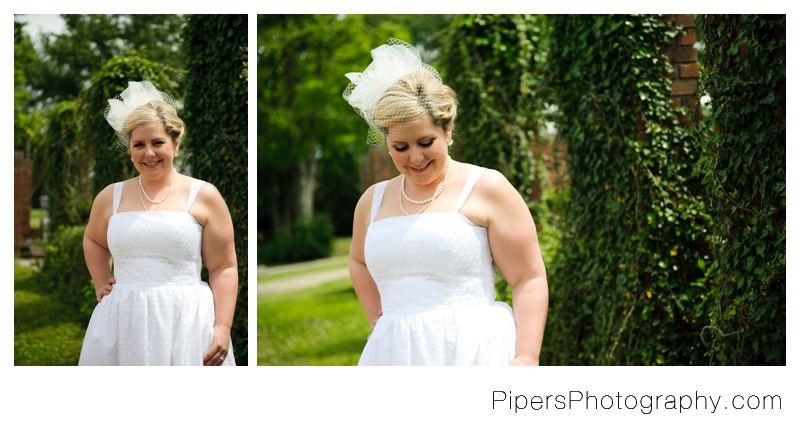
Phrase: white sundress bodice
x=435 y=275
x=166 y=243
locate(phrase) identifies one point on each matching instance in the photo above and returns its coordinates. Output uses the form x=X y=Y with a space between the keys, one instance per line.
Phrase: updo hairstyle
x=411 y=97
x=155 y=111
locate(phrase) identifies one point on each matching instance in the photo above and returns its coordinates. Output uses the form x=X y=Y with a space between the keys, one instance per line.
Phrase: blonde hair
x=413 y=96
x=152 y=112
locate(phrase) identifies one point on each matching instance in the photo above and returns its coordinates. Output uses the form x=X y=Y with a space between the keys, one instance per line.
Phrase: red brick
x=682 y=54
x=642 y=136
x=683 y=87
x=686 y=20
x=640 y=125
x=688 y=38
x=689 y=70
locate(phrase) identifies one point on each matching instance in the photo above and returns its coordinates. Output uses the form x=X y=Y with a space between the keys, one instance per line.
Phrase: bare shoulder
x=104 y=200
x=208 y=192
x=493 y=184
x=365 y=202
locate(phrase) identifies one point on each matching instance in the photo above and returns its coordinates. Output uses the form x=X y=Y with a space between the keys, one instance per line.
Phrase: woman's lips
x=420 y=170
x=151 y=164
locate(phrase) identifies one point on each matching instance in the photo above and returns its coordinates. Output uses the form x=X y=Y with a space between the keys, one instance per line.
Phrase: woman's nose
x=417 y=156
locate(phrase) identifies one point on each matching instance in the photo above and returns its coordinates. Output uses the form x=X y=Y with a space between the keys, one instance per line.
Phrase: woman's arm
x=219 y=256
x=364 y=285
x=515 y=250
x=95 y=244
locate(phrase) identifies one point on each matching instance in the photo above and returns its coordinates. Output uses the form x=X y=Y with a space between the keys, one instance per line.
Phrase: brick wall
x=23 y=177
x=377 y=166
x=683 y=57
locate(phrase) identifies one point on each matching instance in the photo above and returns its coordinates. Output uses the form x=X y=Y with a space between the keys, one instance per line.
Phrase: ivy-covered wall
x=743 y=165
x=216 y=137
x=628 y=284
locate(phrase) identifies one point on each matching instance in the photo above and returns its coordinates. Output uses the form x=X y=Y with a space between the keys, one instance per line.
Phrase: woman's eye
x=426 y=144
x=401 y=149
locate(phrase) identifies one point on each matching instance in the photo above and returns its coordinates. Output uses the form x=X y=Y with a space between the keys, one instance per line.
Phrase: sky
x=37 y=24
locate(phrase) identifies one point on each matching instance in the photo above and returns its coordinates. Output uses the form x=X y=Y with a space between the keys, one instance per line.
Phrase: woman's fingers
x=105 y=290
x=215 y=356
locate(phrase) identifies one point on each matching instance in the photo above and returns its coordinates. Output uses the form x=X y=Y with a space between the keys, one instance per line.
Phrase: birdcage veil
x=392 y=62
x=119 y=108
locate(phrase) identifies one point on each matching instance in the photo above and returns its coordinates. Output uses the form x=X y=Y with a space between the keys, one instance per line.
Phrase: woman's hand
x=524 y=361
x=104 y=290
x=219 y=347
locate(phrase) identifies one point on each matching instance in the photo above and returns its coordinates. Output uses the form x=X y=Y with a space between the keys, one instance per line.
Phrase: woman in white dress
x=425 y=243
x=158 y=228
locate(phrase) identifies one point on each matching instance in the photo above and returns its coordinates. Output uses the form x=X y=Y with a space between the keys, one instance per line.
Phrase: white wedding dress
x=435 y=275
x=160 y=312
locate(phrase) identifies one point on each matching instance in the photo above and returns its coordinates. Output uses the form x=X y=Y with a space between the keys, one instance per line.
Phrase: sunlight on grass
x=317 y=326
x=304 y=271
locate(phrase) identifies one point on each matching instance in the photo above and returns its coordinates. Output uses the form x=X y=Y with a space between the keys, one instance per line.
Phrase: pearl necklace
x=428 y=201
x=157 y=203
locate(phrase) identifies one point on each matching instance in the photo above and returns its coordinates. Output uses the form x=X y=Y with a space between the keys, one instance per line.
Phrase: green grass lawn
x=45 y=333
x=317 y=326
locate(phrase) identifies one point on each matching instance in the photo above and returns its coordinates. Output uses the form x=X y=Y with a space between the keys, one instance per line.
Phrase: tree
x=25 y=119
x=69 y=60
x=302 y=116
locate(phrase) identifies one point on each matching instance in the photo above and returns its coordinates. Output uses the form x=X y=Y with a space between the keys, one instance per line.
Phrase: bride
x=159 y=228
x=425 y=243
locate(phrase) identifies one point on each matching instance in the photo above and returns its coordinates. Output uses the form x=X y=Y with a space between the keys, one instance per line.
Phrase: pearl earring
x=449 y=141
x=175 y=154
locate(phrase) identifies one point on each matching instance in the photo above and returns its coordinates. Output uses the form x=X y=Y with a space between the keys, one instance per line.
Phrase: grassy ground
x=44 y=332
x=315 y=326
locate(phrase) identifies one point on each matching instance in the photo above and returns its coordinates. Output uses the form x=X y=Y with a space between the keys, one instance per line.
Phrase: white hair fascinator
x=120 y=108
x=390 y=63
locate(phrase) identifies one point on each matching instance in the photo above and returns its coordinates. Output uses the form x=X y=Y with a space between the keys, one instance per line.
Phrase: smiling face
x=419 y=150
x=152 y=150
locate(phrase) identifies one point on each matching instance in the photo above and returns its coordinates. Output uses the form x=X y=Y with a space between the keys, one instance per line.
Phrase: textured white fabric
x=435 y=275
x=160 y=312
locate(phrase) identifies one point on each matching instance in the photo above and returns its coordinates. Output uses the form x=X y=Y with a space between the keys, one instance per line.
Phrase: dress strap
x=193 y=193
x=117 y=196
x=471 y=180
x=377 y=198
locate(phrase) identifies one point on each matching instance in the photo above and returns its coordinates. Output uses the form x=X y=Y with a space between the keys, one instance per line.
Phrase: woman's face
x=419 y=150
x=152 y=150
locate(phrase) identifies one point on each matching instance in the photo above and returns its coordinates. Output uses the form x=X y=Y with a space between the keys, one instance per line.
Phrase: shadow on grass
x=45 y=331
x=35 y=307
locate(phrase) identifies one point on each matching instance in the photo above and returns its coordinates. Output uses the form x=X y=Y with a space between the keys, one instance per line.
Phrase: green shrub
x=64 y=272
x=309 y=239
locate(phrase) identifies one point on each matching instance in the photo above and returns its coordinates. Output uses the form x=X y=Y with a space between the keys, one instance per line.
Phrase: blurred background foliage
x=62 y=81
x=662 y=228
